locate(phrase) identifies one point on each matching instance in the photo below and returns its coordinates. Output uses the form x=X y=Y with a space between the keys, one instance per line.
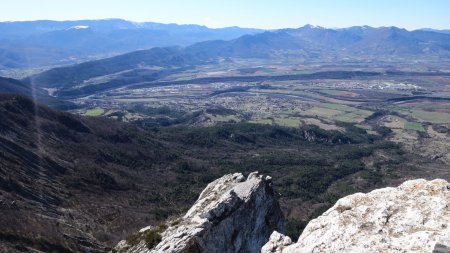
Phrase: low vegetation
x=95 y=112
x=151 y=237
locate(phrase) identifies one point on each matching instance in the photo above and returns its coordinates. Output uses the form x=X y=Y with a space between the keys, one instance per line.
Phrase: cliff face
x=237 y=214
x=232 y=214
x=414 y=217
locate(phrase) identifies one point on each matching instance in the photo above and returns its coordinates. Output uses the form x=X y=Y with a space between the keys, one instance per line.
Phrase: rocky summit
x=414 y=217
x=232 y=214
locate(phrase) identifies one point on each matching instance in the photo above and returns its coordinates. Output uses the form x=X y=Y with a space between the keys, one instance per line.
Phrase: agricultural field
x=405 y=105
x=94 y=112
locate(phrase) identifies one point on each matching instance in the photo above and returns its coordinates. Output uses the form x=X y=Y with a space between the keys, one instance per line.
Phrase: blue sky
x=269 y=14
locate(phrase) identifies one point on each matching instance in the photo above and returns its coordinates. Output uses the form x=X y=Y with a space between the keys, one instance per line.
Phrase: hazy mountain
x=305 y=44
x=41 y=43
x=321 y=44
x=447 y=31
x=144 y=65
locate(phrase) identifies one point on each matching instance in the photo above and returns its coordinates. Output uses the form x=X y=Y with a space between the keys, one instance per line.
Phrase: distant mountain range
x=307 y=44
x=52 y=43
x=320 y=44
x=436 y=30
x=43 y=43
x=48 y=43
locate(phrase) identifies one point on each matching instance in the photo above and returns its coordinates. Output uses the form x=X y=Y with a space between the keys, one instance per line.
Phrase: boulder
x=414 y=217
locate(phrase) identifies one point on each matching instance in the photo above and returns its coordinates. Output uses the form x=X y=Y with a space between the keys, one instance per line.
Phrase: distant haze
x=266 y=14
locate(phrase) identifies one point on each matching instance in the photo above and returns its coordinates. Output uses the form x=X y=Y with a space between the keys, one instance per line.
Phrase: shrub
x=133 y=239
x=294 y=228
x=152 y=238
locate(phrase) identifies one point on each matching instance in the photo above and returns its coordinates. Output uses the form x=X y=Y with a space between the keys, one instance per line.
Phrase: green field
x=319 y=111
x=95 y=112
x=426 y=116
x=414 y=126
x=224 y=118
x=288 y=122
x=185 y=78
x=330 y=92
x=339 y=112
x=432 y=117
x=261 y=121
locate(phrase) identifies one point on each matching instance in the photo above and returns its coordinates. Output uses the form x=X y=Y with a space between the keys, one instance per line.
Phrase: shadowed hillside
x=72 y=183
x=13 y=86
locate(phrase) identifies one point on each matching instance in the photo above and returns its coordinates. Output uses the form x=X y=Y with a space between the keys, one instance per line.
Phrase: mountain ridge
x=25 y=44
x=370 y=40
x=307 y=45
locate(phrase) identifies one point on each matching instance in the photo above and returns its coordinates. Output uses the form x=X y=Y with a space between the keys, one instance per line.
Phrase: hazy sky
x=268 y=14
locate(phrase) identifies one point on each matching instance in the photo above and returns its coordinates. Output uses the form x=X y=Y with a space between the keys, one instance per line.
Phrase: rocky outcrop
x=277 y=243
x=414 y=217
x=233 y=214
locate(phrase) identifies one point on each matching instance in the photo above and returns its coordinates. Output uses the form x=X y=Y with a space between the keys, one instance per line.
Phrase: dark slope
x=71 y=183
x=13 y=86
x=67 y=183
x=9 y=85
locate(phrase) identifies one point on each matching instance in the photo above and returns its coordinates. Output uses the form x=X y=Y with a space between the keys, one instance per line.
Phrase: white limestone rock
x=277 y=243
x=414 y=217
x=232 y=214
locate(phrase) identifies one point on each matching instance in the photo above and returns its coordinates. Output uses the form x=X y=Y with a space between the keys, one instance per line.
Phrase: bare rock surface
x=414 y=217
x=277 y=243
x=232 y=214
